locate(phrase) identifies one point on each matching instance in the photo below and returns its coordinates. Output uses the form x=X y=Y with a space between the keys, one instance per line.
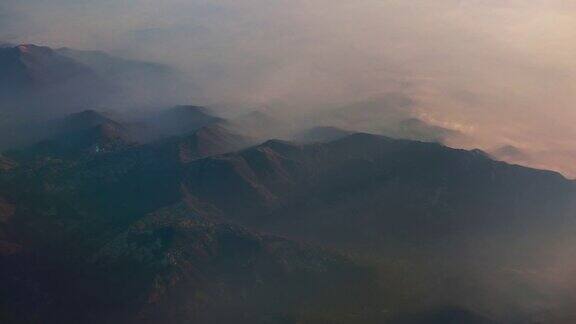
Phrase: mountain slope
x=192 y=270
x=408 y=182
x=393 y=115
x=457 y=216
x=430 y=222
x=86 y=132
x=401 y=191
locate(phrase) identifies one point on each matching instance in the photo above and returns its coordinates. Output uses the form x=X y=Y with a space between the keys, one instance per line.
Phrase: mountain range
x=39 y=83
x=179 y=215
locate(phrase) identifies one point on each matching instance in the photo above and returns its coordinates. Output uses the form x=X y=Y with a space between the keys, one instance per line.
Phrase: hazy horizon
x=500 y=71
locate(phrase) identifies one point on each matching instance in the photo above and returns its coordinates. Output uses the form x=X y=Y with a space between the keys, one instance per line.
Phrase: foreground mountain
x=457 y=216
x=172 y=231
x=230 y=273
x=127 y=210
x=189 y=270
x=399 y=187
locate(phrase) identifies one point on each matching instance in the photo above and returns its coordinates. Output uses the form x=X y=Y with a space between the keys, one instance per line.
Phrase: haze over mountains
x=40 y=82
x=118 y=205
x=43 y=83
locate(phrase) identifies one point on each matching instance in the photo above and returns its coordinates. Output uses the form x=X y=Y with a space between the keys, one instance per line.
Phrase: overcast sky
x=502 y=70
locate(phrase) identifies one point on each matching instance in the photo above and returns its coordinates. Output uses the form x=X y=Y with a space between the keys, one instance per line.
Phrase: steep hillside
x=414 y=191
x=189 y=269
x=433 y=227
x=78 y=134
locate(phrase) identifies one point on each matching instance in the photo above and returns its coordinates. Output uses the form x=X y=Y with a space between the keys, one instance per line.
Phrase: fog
x=500 y=71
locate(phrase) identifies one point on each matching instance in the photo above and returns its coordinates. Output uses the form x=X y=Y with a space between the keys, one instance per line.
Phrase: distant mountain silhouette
x=30 y=67
x=258 y=125
x=321 y=134
x=182 y=120
x=189 y=132
x=393 y=115
x=43 y=82
x=510 y=153
x=115 y=68
x=39 y=83
x=139 y=83
x=417 y=129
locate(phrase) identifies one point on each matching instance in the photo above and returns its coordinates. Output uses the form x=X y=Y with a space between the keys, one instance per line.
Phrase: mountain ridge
x=251 y=219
